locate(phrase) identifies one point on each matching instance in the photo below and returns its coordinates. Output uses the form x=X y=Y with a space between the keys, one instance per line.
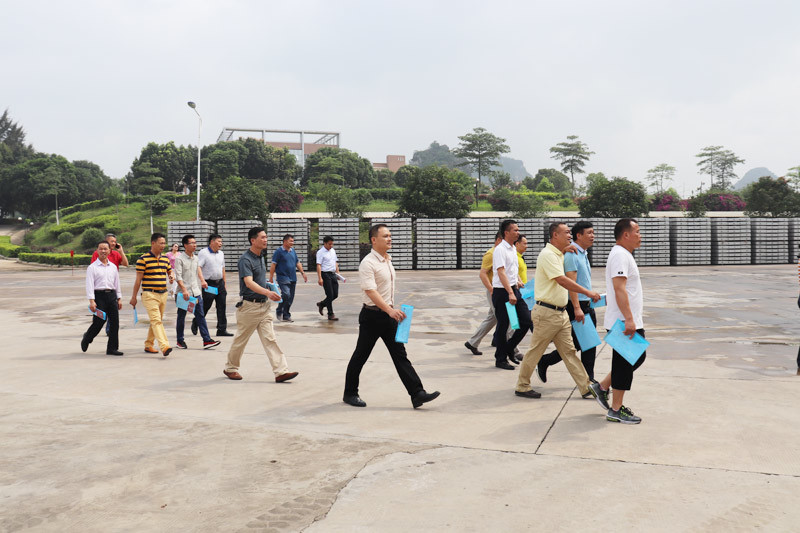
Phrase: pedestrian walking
x=104 y=294
x=327 y=276
x=187 y=276
x=174 y=250
x=212 y=268
x=153 y=271
x=285 y=265
x=489 y=322
x=116 y=255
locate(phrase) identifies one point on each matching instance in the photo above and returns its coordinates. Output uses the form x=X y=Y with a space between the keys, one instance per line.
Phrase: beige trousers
x=251 y=317
x=155 y=304
x=550 y=325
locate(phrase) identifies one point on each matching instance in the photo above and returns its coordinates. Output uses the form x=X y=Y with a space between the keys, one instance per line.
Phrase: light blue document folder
x=630 y=349
x=212 y=290
x=99 y=313
x=513 y=319
x=527 y=294
x=183 y=304
x=404 y=327
x=586 y=333
x=599 y=303
x=135 y=317
x=275 y=288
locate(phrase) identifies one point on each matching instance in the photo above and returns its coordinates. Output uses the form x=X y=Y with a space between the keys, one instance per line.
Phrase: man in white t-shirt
x=327 y=272
x=624 y=302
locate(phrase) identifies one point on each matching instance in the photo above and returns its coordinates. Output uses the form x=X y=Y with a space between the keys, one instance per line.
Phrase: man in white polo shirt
x=327 y=270
x=505 y=288
x=212 y=268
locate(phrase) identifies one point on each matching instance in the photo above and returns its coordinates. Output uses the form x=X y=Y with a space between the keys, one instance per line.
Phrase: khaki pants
x=250 y=317
x=551 y=325
x=155 y=304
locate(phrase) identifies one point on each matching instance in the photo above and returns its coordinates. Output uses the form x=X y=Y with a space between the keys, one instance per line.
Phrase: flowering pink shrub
x=665 y=202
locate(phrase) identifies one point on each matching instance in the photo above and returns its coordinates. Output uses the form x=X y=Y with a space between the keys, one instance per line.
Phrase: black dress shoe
x=194 y=327
x=423 y=397
x=355 y=401
x=84 y=344
x=472 y=349
x=224 y=334
x=528 y=394
x=513 y=359
x=541 y=371
x=113 y=352
x=504 y=365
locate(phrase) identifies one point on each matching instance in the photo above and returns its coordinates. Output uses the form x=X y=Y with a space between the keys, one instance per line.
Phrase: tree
x=593 y=180
x=558 y=179
x=615 y=199
x=13 y=149
x=264 y=162
x=480 y=150
x=545 y=186
x=176 y=165
x=656 y=176
x=327 y=163
x=726 y=174
x=771 y=197
x=282 y=195
x=527 y=206
x=403 y=174
x=145 y=180
x=435 y=154
x=501 y=180
x=435 y=192
x=573 y=155
x=341 y=202
x=233 y=198
x=718 y=163
x=793 y=176
x=385 y=178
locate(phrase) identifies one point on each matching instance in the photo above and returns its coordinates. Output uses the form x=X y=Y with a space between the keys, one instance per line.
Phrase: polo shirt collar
x=506 y=245
x=554 y=249
x=578 y=246
x=380 y=257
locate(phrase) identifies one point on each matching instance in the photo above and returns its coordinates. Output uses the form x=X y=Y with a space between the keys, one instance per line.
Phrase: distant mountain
x=515 y=167
x=440 y=154
x=752 y=176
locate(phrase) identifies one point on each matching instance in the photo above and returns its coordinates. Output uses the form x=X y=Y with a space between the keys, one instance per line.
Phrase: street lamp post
x=199 y=131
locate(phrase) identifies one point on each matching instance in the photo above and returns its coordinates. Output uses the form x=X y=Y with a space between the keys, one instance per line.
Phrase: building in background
x=393 y=162
x=300 y=142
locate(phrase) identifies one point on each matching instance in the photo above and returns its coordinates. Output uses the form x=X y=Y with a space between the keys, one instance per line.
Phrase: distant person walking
x=153 y=271
x=490 y=320
x=254 y=311
x=104 y=293
x=174 y=250
x=378 y=320
x=212 y=266
x=625 y=301
x=187 y=275
x=117 y=254
x=285 y=265
x=327 y=271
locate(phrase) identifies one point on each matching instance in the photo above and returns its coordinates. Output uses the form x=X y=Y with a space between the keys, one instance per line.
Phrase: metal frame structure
x=330 y=138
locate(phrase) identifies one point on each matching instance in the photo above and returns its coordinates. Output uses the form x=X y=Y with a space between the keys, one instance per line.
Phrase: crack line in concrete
x=554 y=421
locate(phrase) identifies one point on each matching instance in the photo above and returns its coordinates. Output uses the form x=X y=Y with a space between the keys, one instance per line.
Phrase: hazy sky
x=640 y=82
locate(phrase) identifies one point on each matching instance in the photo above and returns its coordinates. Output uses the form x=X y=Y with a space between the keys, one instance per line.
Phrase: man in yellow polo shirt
x=550 y=320
x=152 y=271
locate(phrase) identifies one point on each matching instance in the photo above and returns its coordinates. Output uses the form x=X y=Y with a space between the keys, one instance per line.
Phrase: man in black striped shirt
x=152 y=271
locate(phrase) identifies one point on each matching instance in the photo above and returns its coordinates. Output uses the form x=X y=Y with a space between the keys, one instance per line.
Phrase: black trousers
x=622 y=370
x=210 y=299
x=374 y=325
x=504 y=347
x=587 y=356
x=331 y=285
x=105 y=301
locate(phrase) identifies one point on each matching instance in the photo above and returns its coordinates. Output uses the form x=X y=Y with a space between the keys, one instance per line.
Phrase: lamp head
x=191 y=104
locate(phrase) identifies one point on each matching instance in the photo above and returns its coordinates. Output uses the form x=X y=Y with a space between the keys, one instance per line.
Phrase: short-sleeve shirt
x=376 y=273
x=186 y=271
x=549 y=266
x=285 y=264
x=523 y=268
x=212 y=264
x=505 y=256
x=579 y=263
x=486 y=263
x=113 y=256
x=252 y=265
x=155 y=270
x=622 y=264
x=326 y=259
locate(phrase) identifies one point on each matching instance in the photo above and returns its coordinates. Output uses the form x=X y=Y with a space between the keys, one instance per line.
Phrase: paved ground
x=145 y=443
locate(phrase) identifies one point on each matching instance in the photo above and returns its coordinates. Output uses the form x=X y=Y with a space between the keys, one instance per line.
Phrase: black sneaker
x=181 y=344
x=600 y=395
x=624 y=416
x=210 y=344
x=472 y=349
x=194 y=327
x=541 y=371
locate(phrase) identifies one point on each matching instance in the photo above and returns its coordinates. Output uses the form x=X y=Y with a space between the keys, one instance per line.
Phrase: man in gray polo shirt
x=254 y=312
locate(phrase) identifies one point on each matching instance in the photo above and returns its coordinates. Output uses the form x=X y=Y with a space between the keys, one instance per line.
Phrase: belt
x=213 y=281
x=157 y=291
x=105 y=290
x=372 y=308
x=256 y=300
x=550 y=306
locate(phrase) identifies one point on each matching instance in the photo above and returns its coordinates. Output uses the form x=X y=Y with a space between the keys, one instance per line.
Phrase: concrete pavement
x=147 y=443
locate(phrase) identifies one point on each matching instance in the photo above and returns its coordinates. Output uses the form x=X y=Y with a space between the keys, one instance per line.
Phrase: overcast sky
x=640 y=82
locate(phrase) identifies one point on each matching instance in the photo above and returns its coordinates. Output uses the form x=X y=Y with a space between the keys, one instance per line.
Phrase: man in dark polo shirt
x=254 y=312
x=152 y=270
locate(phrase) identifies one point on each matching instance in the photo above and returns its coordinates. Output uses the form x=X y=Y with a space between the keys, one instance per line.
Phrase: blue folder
x=527 y=294
x=275 y=288
x=135 y=317
x=404 y=327
x=212 y=290
x=586 y=333
x=183 y=304
x=630 y=349
x=513 y=319
x=99 y=313
x=599 y=303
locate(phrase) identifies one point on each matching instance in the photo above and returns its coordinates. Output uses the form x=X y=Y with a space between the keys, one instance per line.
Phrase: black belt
x=105 y=290
x=256 y=300
x=372 y=308
x=213 y=281
x=550 y=306
x=157 y=291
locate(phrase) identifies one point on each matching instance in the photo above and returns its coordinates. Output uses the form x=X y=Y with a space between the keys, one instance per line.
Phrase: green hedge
x=11 y=250
x=108 y=223
x=390 y=194
x=55 y=259
x=85 y=206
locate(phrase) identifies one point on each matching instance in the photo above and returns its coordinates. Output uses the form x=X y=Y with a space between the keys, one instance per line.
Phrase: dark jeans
x=199 y=318
x=331 y=286
x=287 y=293
x=374 y=325
x=210 y=299
x=505 y=347
x=587 y=356
x=622 y=370
x=105 y=301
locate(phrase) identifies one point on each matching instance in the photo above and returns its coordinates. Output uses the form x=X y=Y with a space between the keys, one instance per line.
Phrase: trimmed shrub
x=140 y=249
x=389 y=194
x=91 y=237
x=65 y=237
x=55 y=259
x=85 y=206
x=109 y=223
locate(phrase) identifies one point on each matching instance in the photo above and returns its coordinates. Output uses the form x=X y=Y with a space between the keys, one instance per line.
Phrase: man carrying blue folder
x=188 y=277
x=378 y=320
x=104 y=294
x=578 y=269
x=550 y=320
x=625 y=302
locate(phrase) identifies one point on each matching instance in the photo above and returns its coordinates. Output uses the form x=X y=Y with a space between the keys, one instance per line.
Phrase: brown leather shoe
x=285 y=377
x=150 y=350
x=232 y=375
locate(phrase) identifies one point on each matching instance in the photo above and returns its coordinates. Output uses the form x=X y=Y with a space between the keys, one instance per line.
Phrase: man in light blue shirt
x=578 y=269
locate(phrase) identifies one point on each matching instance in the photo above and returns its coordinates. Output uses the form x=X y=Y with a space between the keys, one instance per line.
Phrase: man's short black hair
x=504 y=225
x=551 y=229
x=623 y=225
x=253 y=233
x=326 y=239
x=214 y=236
x=103 y=242
x=187 y=238
x=287 y=237
x=521 y=236
x=155 y=236
x=498 y=235
x=373 y=231
x=579 y=228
